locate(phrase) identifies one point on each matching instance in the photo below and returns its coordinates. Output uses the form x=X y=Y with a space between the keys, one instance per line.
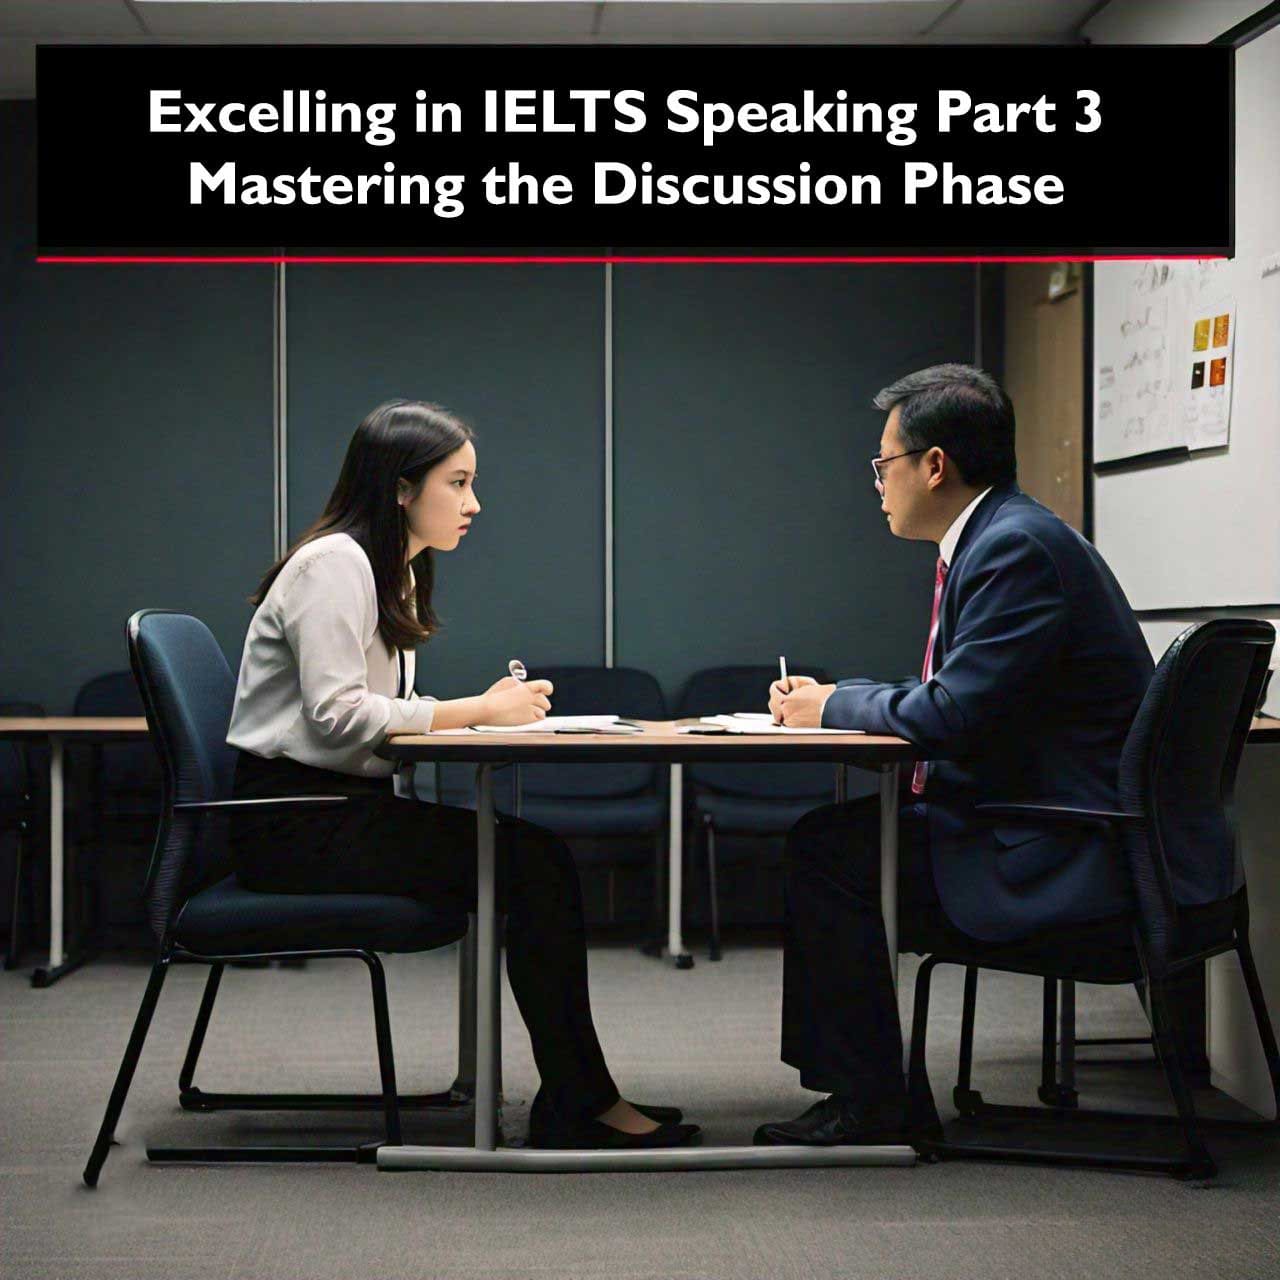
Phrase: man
x=1034 y=668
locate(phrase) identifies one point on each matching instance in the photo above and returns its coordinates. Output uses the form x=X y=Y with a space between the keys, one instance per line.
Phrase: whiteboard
x=1205 y=531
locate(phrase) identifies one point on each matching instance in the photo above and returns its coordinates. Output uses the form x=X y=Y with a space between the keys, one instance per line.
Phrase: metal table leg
x=464 y=1084
x=59 y=963
x=889 y=860
x=57 y=850
x=675 y=872
x=487 y=975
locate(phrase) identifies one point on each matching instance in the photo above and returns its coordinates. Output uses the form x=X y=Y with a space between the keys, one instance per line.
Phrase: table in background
x=57 y=731
x=658 y=744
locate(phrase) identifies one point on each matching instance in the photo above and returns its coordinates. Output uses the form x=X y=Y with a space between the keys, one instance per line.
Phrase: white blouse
x=317 y=682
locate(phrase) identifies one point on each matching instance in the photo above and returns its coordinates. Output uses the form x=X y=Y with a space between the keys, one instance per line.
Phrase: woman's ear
x=403 y=492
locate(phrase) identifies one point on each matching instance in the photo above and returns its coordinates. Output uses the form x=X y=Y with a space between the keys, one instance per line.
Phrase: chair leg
x=386 y=1058
x=190 y=1098
x=967 y=1100
x=1166 y=1037
x=713 y=893
x=188 y=1072
x=923 y=1122
x=1266 y=1032
x=124 y=1077
x=13 y=956
x=464 y=1084
x=1051 y=1091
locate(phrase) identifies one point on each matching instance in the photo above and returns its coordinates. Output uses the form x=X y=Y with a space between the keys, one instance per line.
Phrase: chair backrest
x=119 y=767
x=728 y=689
x=1178 y=769
x=187 y=692
x=587 y=691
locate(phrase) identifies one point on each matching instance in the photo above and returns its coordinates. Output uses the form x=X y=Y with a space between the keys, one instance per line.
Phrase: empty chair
x=745 y=799
x=199 y=914
x=598 y=803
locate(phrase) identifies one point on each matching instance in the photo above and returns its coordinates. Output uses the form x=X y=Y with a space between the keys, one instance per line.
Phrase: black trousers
x=379 y=843
x=840 y=1024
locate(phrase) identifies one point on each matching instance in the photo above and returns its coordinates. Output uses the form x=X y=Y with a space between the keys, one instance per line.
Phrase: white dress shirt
x=317 y=682
x=951 y=539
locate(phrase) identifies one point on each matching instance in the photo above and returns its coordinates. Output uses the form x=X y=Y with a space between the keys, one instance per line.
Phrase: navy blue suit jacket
x=1039 y=667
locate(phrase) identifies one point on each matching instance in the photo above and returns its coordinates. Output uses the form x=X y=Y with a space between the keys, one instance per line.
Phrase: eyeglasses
x=878 y=464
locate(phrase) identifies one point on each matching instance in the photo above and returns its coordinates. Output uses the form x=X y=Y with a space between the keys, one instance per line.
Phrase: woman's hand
x=779 y=689
x=510 y=701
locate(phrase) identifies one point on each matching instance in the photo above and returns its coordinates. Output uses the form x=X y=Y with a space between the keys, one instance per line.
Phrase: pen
x=782 y=669
x=516 y=669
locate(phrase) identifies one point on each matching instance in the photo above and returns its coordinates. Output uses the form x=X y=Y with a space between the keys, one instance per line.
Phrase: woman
x=328 y=672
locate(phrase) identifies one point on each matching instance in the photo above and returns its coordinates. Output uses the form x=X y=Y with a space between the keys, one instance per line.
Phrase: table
x=58 y=731
x=658 y=744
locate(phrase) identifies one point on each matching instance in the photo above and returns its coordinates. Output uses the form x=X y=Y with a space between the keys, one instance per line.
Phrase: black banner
x=759 y=151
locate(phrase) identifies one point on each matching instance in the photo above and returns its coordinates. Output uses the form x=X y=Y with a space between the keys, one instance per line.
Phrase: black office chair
x=199 y=914
x=1176 y=832
x=20 y=795
x=755 y=800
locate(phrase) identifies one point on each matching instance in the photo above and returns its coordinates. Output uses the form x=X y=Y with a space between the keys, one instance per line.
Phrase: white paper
x=561 y=724
x=741 y=724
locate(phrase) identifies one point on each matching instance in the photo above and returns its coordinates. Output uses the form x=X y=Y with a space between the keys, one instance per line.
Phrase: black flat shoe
x=662 y=1115
x=592 y=1135
x=539 y=1110
x=836 y=1122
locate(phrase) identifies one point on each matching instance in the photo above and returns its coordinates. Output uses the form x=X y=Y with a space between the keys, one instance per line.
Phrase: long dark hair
x=402 y=439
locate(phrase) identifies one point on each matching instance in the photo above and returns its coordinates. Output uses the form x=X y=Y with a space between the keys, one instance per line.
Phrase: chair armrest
x=266 y=802
x=1060 y=815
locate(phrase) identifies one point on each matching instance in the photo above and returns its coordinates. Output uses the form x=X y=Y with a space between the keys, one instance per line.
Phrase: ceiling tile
x=342 y=19
x=54 y=19
x=1057 y=19
x=672 y=21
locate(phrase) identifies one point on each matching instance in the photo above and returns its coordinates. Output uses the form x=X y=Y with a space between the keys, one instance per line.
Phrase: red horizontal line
x=597 y=259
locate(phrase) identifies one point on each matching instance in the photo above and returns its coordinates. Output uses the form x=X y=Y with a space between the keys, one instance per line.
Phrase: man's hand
x=779 y=689
x=802 y=708
x=797 y=702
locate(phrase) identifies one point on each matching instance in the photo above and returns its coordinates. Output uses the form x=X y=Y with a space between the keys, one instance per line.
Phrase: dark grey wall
x=518 y=352
x=136 y=405
x=747 y=521
x=135 y=412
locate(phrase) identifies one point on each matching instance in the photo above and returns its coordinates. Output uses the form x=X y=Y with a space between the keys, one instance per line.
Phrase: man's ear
x=936 y=461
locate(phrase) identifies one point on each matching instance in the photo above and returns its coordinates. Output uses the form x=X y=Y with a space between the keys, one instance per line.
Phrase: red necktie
x=926 y=673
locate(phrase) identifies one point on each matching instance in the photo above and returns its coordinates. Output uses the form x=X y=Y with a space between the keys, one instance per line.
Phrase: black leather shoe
x=835 y=1122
